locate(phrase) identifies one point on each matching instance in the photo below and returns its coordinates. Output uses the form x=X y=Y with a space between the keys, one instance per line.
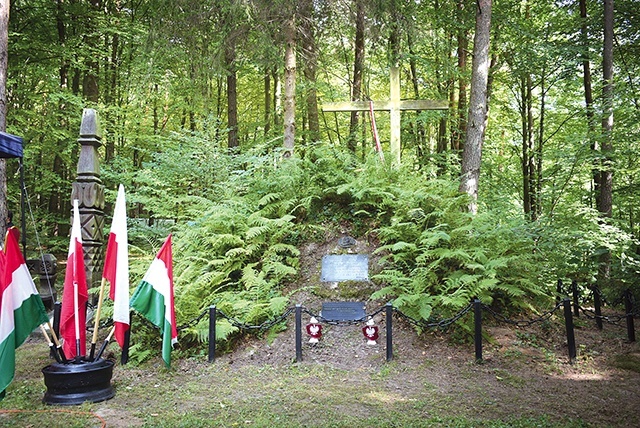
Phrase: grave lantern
x=370 y=332
x=314 y=330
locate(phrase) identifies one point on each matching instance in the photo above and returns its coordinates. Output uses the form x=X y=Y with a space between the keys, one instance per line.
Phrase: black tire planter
x=78 y=381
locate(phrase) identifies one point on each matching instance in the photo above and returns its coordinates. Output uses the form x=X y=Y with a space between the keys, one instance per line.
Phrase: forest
x=212 y=118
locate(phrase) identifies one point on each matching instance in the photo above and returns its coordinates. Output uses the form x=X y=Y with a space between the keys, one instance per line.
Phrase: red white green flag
x=116 y=268
x=21 y=308
x=73 y=316
x=154 y=298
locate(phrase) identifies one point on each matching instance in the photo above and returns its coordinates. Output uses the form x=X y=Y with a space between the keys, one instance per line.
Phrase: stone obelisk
x=89 y=191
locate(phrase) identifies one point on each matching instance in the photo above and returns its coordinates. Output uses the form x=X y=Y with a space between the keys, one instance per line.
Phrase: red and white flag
x=73 y=317
x=116 y=268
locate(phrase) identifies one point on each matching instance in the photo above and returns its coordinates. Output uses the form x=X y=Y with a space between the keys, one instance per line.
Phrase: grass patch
x=627 y=362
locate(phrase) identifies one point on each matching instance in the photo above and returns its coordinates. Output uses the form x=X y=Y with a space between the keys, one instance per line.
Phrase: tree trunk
x=358 y=66
x=477 y=122
x=310 y=54
x=606 y=175
x=463 y=46
x=526 y=179
x=588 y=94
x=267 y=102
x=62 y=35
x=421 y=134
x=232 y=93
x=290 y=87
x=277 y=98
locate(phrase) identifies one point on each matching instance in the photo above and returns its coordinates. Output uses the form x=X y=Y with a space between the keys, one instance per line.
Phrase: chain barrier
x=522 y=323
x=194 y=321
x=611 y=319
x=349 y=322
x=264 y=326
x=440 y=324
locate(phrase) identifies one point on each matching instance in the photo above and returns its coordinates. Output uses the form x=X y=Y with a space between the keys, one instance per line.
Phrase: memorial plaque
x=343 y=311
x=345 y=267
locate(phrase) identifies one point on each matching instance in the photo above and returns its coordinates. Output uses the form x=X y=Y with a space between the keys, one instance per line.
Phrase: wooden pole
x=105 y=343
x=96 y=317
x=54 y=336
x=51 y=345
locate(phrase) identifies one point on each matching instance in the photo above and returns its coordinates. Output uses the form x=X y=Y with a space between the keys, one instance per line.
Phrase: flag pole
x=105 y=343
x=76 y=310
x=57 y=342
x=96 y=316
x=51 y=345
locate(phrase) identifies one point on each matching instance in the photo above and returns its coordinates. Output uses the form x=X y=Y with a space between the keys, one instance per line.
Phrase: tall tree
x=606 y=175
x=588 y=91
x=310 y=55
x=605 y=196
x=358 y=69
x=290 y=85
x=463 y=45
x=477 y=122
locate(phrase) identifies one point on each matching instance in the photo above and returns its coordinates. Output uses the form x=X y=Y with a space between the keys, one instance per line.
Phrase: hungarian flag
x=73 y=317
x=21 y=308
x=154 y=298
x=116 y=268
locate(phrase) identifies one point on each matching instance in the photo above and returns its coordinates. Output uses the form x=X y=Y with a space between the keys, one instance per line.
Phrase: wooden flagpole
x=57 y=342
x=51 y=345
x=96 y=316
x=105 y=343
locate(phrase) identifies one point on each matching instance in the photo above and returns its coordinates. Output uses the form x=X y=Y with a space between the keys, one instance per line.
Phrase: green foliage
x=437 y=255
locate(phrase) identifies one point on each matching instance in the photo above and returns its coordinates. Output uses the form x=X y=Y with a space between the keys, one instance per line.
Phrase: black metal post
x=57 y=310
x=568 y=320
x=124 y=358
x=298 y=333
x=389 y=321
x=477 y=311
x=597 y=303
x=628 y=308
x=558 y=291
x=576 y=302
x=212 y=333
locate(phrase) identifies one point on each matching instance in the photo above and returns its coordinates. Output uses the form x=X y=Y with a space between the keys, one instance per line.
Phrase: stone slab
x=345 y=267
x=343 y=311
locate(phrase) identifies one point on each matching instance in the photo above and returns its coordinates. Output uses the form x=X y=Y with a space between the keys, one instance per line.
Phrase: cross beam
x=394 y=105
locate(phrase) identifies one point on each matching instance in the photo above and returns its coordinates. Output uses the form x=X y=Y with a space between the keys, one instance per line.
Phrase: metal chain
x=349 y=322
x=440 y=324
x=522 y=323
x=611 y=319
x=264 y=326
x=194 y=321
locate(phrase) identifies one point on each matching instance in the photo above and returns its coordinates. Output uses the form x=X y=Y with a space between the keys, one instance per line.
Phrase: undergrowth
x=236 y=241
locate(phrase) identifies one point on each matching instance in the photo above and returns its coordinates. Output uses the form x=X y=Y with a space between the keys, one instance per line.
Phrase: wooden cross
x=394 y=106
